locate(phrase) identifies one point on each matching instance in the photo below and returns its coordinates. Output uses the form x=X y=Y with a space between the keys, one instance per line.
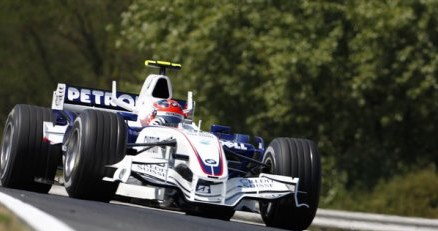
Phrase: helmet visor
x=172 y=119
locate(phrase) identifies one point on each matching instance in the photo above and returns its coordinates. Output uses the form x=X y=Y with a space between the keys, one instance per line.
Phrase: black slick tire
x=25 y=157
x=295 y=158
x=96 y=140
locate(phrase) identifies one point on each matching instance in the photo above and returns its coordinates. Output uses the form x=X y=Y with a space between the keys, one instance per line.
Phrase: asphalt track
x=98 y=216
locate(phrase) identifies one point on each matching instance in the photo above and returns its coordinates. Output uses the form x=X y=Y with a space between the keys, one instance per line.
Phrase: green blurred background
x=358 y=77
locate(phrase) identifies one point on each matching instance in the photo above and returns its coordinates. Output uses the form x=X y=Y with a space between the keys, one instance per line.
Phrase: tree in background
x=47 y=42
x=358 y=77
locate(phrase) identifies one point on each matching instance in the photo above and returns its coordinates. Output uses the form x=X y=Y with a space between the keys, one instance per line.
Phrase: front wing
x=228 y=192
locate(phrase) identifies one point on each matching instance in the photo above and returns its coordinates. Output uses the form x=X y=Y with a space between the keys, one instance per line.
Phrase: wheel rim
x=72 y=155
x=6 y=149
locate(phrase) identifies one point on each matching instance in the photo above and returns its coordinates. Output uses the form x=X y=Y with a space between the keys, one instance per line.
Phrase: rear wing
x=163 y=65
x=73 y=98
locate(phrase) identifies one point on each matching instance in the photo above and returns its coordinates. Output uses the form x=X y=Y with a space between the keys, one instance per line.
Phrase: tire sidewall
x=7 y=168
x=267 y=209
x=69 y=176
x=270 y=155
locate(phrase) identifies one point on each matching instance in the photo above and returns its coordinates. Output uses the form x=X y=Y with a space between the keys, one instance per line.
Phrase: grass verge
x=10 y=222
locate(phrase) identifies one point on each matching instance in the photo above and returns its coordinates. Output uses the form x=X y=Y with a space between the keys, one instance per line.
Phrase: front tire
x=294 y=158
x=24 y=155
x=96 y=140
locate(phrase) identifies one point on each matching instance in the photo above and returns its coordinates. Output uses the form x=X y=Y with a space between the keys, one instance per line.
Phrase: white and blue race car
x=96 y=138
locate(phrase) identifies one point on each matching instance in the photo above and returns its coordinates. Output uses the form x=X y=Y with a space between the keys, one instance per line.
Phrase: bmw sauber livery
x=101 y=142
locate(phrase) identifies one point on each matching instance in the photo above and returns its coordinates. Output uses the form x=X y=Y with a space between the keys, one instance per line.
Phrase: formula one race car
x=110 y=142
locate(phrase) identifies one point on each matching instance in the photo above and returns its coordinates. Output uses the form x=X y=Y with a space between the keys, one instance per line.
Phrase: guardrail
x=342 y=220
x=366 y=221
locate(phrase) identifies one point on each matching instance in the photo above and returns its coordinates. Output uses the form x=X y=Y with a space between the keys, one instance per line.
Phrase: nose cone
x=209 y=152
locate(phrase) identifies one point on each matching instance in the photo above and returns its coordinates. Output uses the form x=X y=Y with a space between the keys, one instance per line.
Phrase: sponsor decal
x=96 y=97
x=261 y=183
x=210 y=161
x=150 y=169
x=59 y=96
x=199 y=134
x=205 y=142
x=151 y=139
x=203 y=188
x=234 y=145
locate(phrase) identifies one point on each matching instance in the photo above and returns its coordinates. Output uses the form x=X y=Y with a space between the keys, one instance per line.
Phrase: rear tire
x=96 y=140
x=24 y=154
x=295 y=158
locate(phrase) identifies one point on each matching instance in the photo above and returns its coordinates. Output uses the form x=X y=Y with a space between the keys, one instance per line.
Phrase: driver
x=166 y=112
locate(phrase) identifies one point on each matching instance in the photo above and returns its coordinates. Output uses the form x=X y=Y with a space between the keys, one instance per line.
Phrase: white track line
x=34 y=217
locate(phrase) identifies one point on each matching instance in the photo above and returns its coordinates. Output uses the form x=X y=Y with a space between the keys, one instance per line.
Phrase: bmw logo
x=210 y=161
